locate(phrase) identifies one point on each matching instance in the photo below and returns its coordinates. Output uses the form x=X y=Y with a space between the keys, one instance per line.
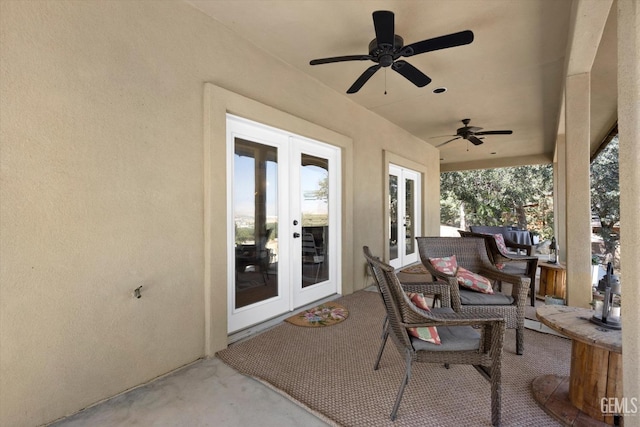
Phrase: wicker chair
x=461 y=343
x=517 y=247
x=521 y=265
x=438 y=290
x=471 y=254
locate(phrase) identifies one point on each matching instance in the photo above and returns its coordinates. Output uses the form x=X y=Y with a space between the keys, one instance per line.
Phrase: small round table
x=596 y=368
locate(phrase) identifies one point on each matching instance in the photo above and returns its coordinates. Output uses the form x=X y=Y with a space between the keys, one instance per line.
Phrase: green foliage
x=519 y=196
x=247 y=234
x=322 y=192
x=523 y=196
x=244 y=234
x=605 y=194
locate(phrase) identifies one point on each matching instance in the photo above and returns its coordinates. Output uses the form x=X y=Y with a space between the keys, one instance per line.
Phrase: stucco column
x=629 y=134
x=578 y=200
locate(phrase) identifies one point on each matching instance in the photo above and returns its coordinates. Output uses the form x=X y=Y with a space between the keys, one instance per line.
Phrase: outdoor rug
x=330 y=372
x=327 y=314
x=414 y=269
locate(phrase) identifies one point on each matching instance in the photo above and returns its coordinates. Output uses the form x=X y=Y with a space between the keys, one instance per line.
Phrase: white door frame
x=403 y=174
x=290 y=293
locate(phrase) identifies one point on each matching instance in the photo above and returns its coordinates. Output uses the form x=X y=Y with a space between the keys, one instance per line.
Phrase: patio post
x=578 y=184
x=587 y=26
x=629 y=134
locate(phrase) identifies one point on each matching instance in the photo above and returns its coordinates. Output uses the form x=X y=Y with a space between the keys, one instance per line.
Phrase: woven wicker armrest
x=415 y=317
x=469 y=321
x=516 y=257
x=495 y=274
x=438 y=274
x=431 y=288
x=479 y=318
x=494 y=340
x=511 y=244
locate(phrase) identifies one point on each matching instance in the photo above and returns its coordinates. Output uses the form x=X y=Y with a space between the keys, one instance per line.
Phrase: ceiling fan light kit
x=388 y=47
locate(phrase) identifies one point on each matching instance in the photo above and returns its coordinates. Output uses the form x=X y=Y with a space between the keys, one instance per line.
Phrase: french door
x=284 y=222
x=405 y=215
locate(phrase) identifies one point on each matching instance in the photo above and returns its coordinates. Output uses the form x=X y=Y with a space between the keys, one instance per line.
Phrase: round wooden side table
x=596 y=368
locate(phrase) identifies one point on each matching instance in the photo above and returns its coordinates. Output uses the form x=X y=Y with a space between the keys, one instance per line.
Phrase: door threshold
x=254 y=330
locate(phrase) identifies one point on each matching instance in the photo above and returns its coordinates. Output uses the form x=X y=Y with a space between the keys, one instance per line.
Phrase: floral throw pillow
x=502 y=247
x=475 y=282
x=429 y=334
x=447 y=265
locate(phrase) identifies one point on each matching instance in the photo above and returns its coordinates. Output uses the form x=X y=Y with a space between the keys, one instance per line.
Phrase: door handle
x=296 y=235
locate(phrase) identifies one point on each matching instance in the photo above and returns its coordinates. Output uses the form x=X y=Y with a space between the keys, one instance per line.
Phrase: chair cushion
x=428 y=334
x=438 y=310
x=474 y=281
x=476 y=298
x=468 y=279
x=447 y=265
x=515 y=268
x=453 y=338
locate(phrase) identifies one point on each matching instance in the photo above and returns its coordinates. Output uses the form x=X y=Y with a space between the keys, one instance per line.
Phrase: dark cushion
x=452 y=338
x=515 y=268
x=476 y=298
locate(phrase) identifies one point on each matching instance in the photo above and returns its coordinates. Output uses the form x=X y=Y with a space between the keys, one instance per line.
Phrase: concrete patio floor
x=205 y=393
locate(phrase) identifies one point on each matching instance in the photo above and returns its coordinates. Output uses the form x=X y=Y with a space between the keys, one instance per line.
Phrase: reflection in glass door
x=404 y=215
x=255 y=217
x=314 y=187
x=315 y=203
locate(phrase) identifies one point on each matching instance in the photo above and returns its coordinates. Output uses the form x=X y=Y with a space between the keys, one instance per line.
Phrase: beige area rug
x=327 y=314
x=414 y=269
x=330 y=372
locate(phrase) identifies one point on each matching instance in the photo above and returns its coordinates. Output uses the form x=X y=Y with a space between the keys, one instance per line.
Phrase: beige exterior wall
x=103 y=176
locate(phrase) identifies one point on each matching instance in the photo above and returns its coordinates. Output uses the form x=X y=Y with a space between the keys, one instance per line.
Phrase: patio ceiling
x=510 y=77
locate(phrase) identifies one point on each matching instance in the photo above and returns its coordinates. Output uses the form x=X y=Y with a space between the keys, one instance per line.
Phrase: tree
x=605 y=195
x=519 y=196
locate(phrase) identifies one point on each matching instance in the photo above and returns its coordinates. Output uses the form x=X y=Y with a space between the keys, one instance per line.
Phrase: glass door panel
x=409 y=220
x=257 y=282
x=314 y=187
x=255 y=217
x=393 y=214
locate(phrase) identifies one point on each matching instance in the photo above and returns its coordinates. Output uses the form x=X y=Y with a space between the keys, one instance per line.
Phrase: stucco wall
x=101 y=128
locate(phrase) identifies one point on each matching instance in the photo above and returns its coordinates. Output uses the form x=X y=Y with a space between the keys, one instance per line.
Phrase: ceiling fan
x=470 y=133
x=386 y=49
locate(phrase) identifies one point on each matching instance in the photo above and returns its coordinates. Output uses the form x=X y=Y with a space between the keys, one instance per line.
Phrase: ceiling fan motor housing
x=384 y=53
